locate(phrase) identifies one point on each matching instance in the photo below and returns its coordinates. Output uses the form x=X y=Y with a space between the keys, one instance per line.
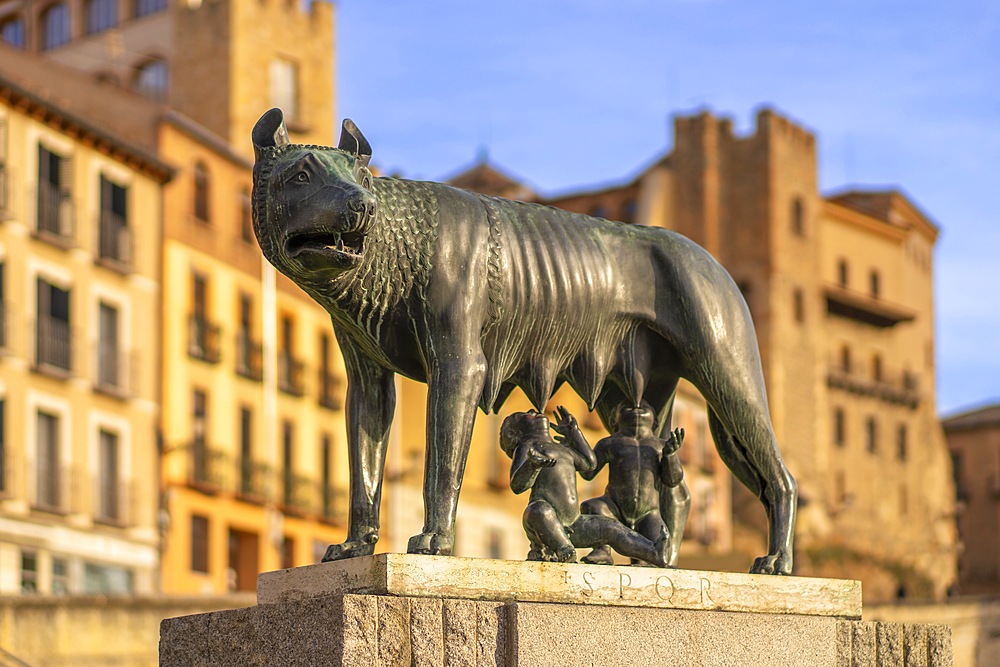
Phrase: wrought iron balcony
x=300 y=495
x=905 y=391
x=256 y=480
x=209 y=469
x=112 y=503
x=114 y=242
x=54 y=221
x=115 y=369
x=329 y=385
x=249 y=357
x=53 y=345
x=203 y=339
x=52 y=488
x=290 y=374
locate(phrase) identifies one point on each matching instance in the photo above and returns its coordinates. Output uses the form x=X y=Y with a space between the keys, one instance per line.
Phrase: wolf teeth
x=340 y=244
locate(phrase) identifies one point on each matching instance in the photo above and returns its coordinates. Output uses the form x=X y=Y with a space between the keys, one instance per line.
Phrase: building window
x=246 y=216
x=958 y=477
x=287 y=552
x=842 y=273
x=200 y=472
x=877 y=367
x=798 y=217
x=109 y=361
x=100 y=15
x=287 y=463
x=840 y=487
x=52 y=340
x=285 y=87
x=290 y=369
x=114 y=244
x=48 y=464
x=60 y=576
x=873 y=283
x=845 y=359
x=203 y=335
x=598 y=211
x=494 y=547
x=107 y=580
x=201 y=192
x=152 y=79
x=199 y=543
x=12 y=31
x=29 y=572
x=55 y=26
x=146 y=7
x=326 y=449
x=109 y=502
x=902 y=443
x=839 y=427
x=328 y=382
x=248 y=350
x=799 y=305
x=904 y=499
x=54 y=214
x=4 y=181
x=871 y=435
x=246 y=451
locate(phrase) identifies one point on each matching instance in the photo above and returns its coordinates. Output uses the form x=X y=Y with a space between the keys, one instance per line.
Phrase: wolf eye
x=302 y=177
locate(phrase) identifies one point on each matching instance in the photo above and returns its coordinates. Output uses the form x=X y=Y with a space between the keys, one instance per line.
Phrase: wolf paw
x=779 y=563
x=430 y=544
x=351 y=548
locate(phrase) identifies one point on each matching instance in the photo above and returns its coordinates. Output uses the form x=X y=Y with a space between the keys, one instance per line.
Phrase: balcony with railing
x=52 y=488
x=902 y=390
x=203 y=339
x=115 y=370
x=54 y=220
x=5 y=204
x=249 y=357
x=113 y=503
x=291 y=373
x=114 y=242
x=53 y=346
x=300 y=495
x=256 y=481
x=329 y=390
x=209 y=469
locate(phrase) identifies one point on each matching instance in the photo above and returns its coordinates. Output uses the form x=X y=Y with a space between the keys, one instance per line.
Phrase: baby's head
x=631 y=418
x=522 y=426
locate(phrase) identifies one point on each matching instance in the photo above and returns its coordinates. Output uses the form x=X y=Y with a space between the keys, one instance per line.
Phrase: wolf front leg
x=454 y=387
x=371 y=399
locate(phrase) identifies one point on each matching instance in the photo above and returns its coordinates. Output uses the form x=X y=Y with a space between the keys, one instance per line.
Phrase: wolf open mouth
x=343 y=243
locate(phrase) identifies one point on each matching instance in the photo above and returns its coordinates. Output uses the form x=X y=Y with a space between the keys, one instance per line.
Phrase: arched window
x=147 y=7
x=842 y=273
x=151 y=79
x=873 y=281
x=12 y=30
x=55 y=26
x=798 y=217
x=100 y=15
x=201 y=191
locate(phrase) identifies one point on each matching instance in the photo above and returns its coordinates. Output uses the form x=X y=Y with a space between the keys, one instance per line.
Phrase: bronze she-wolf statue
x=475 y=295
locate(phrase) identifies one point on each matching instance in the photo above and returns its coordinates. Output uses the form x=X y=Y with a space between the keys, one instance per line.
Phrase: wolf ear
x=270 y=131
x=352 y=141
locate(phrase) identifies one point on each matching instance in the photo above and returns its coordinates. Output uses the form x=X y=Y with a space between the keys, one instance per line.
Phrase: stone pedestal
x=399 y=610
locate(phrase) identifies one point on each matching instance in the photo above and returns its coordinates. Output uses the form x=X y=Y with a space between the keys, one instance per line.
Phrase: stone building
x=80 y=201
x=221 y=63
x=840 y=289
x=974 y=441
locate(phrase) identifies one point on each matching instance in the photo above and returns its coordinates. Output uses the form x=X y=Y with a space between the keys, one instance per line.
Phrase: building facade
x=974 y=442
x=840 y=289
x=79 y=273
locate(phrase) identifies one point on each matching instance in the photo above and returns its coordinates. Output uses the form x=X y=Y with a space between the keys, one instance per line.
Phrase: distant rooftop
x=978 y=418
x=488 y=179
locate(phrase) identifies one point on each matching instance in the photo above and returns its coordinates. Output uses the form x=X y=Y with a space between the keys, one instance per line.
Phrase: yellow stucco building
x=80 y=200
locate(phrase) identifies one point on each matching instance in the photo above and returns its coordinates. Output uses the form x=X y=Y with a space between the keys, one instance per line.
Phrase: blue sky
x=568 y=94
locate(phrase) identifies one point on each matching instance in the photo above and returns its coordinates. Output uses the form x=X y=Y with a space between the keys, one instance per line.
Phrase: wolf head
x=313 y=206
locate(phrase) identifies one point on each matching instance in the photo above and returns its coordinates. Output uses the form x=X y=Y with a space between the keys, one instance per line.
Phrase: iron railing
x=203 y=339
x=290 y=374
x=53 y=344
x=249 y=356
x=54 y=217
x=114 y=242
x=329 y=396
x=256 y=480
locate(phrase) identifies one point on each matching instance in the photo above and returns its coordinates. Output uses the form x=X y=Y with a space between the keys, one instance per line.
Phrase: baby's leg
x=590 y=530
x=543 y=526
x=605 y=507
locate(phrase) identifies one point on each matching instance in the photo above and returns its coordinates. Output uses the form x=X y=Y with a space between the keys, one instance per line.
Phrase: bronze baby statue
x=552 y=519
